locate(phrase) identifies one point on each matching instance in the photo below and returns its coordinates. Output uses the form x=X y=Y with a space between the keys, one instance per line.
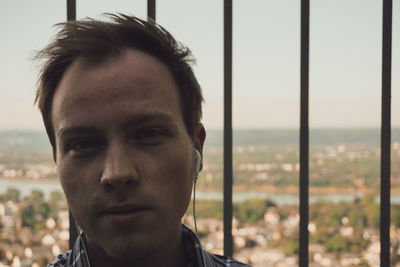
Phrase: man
x=122 y=110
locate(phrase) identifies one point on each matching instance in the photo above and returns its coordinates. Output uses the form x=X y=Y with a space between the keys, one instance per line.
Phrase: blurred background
x=345 y=99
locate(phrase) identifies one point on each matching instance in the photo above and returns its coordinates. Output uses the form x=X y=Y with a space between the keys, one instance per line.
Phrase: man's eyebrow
x=136 y=119
x=65 y=131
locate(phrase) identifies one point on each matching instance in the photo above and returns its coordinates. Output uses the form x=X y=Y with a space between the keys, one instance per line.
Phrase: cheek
x=184 y=193
x=175 y=186
x=65 y=178
x=75 y=184
x=68 y=174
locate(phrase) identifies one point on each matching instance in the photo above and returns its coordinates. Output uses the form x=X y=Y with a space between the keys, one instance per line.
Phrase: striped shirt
x=198 y=256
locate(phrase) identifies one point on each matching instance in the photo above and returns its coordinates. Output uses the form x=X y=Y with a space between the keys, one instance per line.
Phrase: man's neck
x=170 y=253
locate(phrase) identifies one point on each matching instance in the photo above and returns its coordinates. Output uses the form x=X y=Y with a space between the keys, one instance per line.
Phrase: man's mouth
x=125 y=213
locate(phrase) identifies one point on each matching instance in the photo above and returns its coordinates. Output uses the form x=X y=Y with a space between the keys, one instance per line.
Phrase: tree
x=335 y=244
x=35 y=214
x=36 y=195
x=28 y=216
x=395 y=215
x=13 y=194
x=42 y=261
x=251 y=210
x=291 y=247
x=207 y=209
x=56 y=196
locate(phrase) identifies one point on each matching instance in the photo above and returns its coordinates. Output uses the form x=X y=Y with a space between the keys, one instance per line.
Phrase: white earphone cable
x=194 y=205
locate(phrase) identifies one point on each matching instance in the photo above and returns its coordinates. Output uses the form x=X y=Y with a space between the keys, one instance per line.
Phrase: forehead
x=131 y=83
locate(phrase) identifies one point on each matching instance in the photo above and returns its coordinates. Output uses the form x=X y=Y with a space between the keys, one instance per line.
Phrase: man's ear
x=199 y=136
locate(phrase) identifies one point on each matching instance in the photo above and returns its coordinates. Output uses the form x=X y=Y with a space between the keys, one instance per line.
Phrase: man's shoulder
x=201 y=257
x=222 y=261
x=61 y=260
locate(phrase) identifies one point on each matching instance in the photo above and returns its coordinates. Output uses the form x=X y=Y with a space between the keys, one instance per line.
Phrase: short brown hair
x=97 y=40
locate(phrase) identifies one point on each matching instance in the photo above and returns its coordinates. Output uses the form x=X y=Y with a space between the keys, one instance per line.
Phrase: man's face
x=123 y=154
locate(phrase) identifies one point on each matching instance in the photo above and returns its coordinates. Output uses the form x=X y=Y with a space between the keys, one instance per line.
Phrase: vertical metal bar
x=71 y=9
x=151 y=10
x=228 y=241
x=385 y=131
x=73 y=233
x=304 y=132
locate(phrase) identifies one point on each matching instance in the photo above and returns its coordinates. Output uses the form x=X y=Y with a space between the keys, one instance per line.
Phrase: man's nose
x=118 y=169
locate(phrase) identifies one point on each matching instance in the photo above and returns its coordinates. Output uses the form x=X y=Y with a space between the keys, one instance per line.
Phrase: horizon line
x=239 y=128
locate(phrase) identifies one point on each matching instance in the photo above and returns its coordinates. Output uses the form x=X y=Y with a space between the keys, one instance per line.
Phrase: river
x=25 y=187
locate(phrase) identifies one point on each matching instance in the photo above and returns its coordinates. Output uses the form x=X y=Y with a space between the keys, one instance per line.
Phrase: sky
x=345 y=57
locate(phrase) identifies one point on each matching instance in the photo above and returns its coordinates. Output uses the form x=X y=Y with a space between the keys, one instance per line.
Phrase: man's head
x=122 y=108
x=97 y=41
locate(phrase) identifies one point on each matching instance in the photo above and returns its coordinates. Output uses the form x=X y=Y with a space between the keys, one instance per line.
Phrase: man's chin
x=126 y=248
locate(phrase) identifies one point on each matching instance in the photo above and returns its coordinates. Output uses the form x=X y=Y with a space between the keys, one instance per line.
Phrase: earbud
x=197 y=163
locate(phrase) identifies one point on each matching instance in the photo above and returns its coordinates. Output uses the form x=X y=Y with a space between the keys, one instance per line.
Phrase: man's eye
x=83 y=145
x=148 y=135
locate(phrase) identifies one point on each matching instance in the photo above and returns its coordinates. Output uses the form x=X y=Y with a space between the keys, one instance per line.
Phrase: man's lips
x=124 y=210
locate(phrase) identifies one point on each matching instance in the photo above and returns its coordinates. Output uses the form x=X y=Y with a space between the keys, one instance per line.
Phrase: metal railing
x=73 y=231
x=228 y=169
x=304 y=128
x=385 y=131
x=304 y=131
